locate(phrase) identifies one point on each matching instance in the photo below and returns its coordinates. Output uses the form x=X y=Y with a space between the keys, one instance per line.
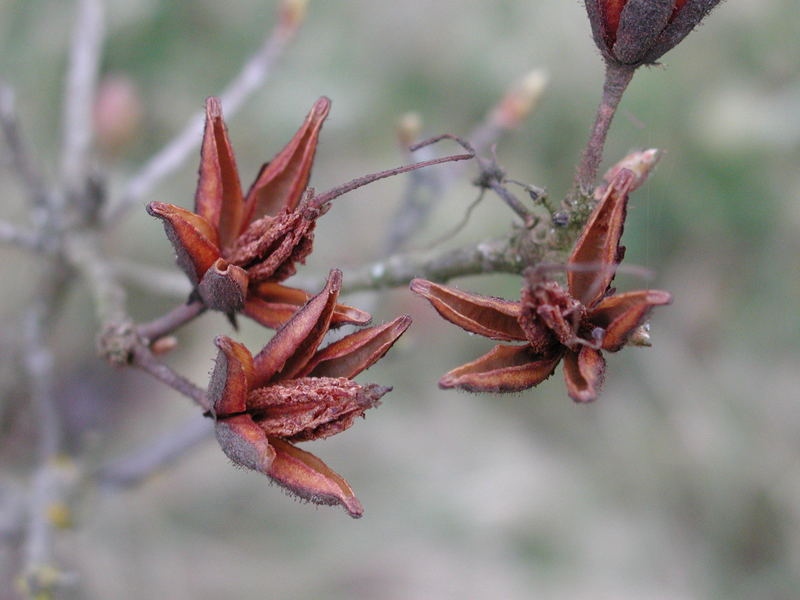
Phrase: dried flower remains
x=236 y=248
x=292 y=392
x=574 y=325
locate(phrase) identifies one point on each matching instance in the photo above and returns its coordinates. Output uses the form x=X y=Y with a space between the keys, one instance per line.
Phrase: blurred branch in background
x=82 y=75
x=21 y=160
x=155 y=455
x=48 y=490
x=252 y=75
x=16 y=236
x=64 y=224
x=41 y=574
x=425 y=187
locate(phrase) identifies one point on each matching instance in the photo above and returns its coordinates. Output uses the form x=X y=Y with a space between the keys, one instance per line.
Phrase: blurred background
x=682 y=481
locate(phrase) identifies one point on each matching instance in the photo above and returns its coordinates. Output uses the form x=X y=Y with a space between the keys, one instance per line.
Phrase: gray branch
x=16 y=236
x=425 y=187
x=156 y=455
x=252 y=76
x=83 y=250
x=509 y=254
x=84 y=67
x=21 y=160
x=49 y=486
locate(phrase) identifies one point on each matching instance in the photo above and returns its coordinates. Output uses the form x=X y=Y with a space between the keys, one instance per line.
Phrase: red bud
x=637 y=32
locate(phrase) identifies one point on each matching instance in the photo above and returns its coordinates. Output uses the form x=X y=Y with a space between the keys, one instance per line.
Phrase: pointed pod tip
x=334 y=282
x=584 y=397
x=353 y=507
x=403 y=322
x=223 y=342
x=447 y=382
x=156 y=209
x=321 y=107
x=213 y=108
x=307 y=477
x=420 y=286
x=659 y=297
x=373 y=394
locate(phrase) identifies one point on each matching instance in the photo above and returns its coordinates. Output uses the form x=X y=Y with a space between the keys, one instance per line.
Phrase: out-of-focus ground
x=682 y=481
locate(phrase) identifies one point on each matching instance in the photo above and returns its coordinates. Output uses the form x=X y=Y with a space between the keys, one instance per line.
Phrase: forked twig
x=460 y=225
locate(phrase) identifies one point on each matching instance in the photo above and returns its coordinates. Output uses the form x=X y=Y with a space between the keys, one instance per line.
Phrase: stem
x=616 y=82
x=502 y=255
x=423 y=189
x=324 y=198
x=142 y=357
x=513 y=203
x=171 y=321
x=118 y=341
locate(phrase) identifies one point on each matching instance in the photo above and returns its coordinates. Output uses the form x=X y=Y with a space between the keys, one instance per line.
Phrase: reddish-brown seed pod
x=572 y=325
x=236 y=249
x=293 y=391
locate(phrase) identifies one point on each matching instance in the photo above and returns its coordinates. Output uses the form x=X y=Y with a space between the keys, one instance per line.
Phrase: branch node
x=116 y=343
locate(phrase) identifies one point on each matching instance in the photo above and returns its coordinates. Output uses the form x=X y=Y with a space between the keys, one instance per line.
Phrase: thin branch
x=156 y=455
x=48 y=486
x=617 y=78
x=501 y=255
x=39 y=359
x=461 y=224
x=21 y=160
x=513 y=203
x=119 y=342
x=84 y=66
x=424 y=187
x=52 y=484
x=144 y=359
x=83 y=250
x=320 y=200
x=171 y=321
x=16 y=236
x=252 y=76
